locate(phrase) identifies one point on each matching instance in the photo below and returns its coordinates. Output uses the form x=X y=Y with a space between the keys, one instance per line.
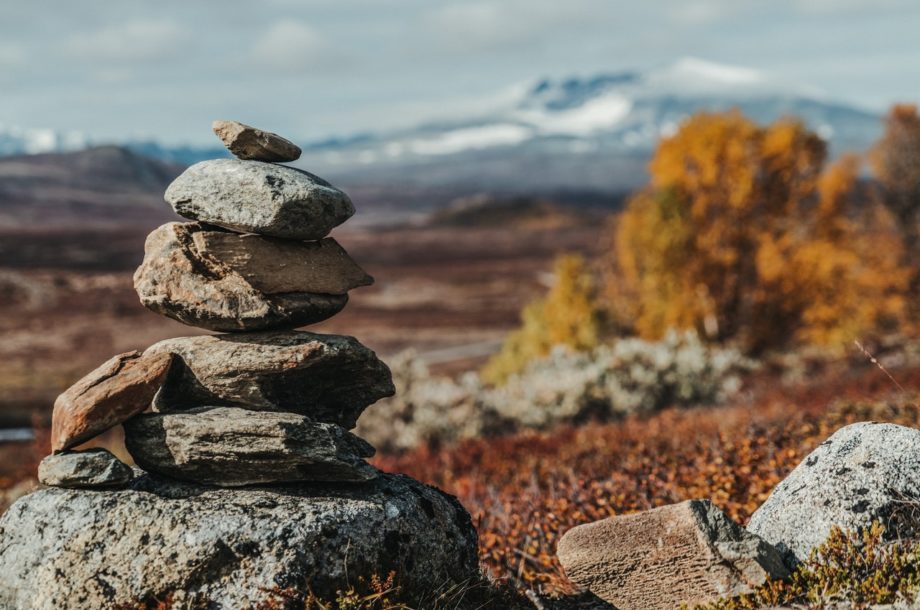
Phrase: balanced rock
x=118 y=389
x=84 y=469
x=328 y=378
x=230 y=447
x=257 y=197
x=864 y=472
x=224 y=281
x=688 y=553
x=228 y=549
x=247 y=142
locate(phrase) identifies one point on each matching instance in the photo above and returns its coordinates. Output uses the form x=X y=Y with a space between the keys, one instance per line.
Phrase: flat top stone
x=256 y=197
x=84 y=469
x=276 y=266
x=120 y=388
x=232 y=447
x=247 y=142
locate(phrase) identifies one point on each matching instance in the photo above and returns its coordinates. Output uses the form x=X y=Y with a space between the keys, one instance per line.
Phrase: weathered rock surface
x=257 y=197
x=230 y=447
x=84 y=469
x=229 y=282
x=328 y=378
x=118 y=389
x=247 y=142
x=227 y=549
x=278 y=266
x=864 y=472
x=658 y=559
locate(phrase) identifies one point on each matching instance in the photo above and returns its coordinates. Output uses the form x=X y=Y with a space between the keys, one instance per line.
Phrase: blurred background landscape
x=579 y=216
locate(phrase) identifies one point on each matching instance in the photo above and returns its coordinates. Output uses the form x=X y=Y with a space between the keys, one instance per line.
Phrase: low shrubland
x=566 y=387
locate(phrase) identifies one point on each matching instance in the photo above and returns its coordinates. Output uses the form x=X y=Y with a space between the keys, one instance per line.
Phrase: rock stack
x=251 y=479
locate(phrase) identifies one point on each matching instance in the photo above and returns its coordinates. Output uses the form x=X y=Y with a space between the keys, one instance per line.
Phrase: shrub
x=740 y=235
x=858 y=567
x=630 y=376
x=569 y=315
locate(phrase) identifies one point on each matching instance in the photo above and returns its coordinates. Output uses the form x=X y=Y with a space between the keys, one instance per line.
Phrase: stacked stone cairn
x=251 y=481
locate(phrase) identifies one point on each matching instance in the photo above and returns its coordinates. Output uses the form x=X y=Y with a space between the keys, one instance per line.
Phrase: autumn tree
x=740 y=236
x=568 y=315
x=896 y=162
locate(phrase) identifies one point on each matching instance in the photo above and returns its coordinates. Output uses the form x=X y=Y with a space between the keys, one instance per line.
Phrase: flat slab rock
x=329 y=378
x=227 y=549
x=229 y=282
x=118 y=389
x=230 y=447
x=687 y=553
x=92 y=468
x=249 y=143
x=864 y=472
x=257 y=197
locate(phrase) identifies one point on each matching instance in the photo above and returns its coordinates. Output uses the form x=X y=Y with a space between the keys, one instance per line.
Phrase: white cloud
x=294 y=45
x=129 y=42
x=11 y=55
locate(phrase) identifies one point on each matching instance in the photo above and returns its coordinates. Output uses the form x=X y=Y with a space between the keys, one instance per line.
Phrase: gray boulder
x=864 y=472
x=687 y=553
x=257 y=197
x=329 y=378
x=247 y=142
x=84 y=469
x=229 y=447
x=229 y=282
x=227 y=549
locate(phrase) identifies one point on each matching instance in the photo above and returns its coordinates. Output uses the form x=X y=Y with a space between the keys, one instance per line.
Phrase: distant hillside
x=517 y=213
x=100 y=188
x=588 y=134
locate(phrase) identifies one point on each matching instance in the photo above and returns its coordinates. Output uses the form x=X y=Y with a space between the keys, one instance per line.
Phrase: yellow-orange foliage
x=741 y=236
x=896 y=162
x=567 y=316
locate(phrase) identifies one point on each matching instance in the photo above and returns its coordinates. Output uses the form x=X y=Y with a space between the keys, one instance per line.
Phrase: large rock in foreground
x=688 y=553
x=230 y=447
x=118 y=389
x=229 y=282
x=864 y=472
x=227 y=549
x=257 y=197
x=329 y=378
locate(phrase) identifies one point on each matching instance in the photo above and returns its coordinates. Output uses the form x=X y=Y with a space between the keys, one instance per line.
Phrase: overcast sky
x=118 y=69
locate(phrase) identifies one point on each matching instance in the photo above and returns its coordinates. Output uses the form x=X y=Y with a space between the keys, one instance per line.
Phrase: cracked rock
x=229 y=282
x=687 y=553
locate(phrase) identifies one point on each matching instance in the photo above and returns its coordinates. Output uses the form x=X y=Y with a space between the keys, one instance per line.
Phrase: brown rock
x=246 y=282
x=277 y=266
x=249 y=143
x=688 y=553
x=116 y=391
x=328 y=378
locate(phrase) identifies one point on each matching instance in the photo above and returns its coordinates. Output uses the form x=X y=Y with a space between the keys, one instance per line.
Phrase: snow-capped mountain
x=20 y=141
x=627 y=111
x=592 y=133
